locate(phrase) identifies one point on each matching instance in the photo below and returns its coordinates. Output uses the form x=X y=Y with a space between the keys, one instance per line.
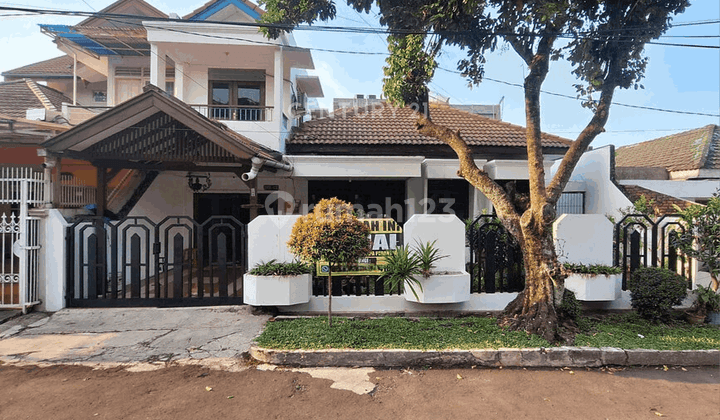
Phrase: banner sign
x=385 y=236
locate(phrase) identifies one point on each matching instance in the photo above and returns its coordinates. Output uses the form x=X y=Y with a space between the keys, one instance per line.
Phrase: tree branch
x=539 y=67
x=593 y=128
x=474 y=175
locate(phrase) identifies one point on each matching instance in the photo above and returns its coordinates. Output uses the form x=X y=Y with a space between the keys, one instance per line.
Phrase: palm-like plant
x=402 y=266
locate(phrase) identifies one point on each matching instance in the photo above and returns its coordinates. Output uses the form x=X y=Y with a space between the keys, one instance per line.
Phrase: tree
x=330 y=233
x=701 y=237
x=603 y=41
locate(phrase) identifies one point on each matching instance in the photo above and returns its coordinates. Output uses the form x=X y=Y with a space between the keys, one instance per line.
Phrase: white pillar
x=157 y=66
x=278 y=96
x=180 y=81
x=74 y=79
x=111 y=84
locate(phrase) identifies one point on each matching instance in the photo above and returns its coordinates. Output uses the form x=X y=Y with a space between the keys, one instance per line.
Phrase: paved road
x=131 y=335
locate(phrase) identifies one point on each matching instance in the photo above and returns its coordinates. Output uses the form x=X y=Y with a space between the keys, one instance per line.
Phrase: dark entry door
x=376 y=198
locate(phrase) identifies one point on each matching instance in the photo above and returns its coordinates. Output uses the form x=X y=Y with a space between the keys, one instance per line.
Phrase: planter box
x=441 y=288
x=276 y=290
x=595 y=287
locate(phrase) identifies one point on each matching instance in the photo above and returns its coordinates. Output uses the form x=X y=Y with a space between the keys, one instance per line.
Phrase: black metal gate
x=643 y=242
x=496 y=263
x=136 y=262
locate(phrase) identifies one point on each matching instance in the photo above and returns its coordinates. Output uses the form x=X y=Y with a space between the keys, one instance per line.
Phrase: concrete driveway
x=150 y=336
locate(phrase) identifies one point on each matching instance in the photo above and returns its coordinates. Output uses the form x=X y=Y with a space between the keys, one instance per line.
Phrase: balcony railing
x=235 y=112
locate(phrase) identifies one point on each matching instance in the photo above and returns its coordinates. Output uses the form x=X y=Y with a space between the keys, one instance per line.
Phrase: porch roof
x=155 y=131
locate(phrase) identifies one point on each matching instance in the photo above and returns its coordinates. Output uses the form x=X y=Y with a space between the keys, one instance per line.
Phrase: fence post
x=21 y=250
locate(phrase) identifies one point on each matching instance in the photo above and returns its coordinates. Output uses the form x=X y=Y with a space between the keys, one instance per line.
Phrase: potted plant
x=593 y=282
x=330 y=233
x=414 y=268
x=278 y=284
x=707 y=304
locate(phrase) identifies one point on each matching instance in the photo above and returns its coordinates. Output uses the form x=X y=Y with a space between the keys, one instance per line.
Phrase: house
x=684 y=165
x=201 y=120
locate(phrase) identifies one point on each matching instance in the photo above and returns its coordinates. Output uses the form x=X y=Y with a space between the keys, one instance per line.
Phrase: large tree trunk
x=534 y=308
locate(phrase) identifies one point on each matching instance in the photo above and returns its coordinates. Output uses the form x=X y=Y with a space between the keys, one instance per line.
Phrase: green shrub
x=274 y=268
x=570 y=308
x=592 y=269
x=655 y=290
x=402 y=267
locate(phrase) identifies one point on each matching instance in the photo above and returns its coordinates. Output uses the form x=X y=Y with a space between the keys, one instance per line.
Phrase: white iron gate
x=20 y=188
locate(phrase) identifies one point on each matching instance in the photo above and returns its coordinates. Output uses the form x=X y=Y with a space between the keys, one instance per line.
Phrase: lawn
x=623 y=331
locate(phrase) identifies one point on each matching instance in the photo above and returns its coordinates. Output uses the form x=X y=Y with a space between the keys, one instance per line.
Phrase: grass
x=629 y=331
x=625 y=331
x=393 y=333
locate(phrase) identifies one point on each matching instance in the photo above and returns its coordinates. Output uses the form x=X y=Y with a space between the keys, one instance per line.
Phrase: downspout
x=258 y=163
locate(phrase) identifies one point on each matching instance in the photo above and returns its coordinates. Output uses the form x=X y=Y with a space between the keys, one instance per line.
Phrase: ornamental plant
x=654 y=291
x=330 y=233
x=274 y=268
x=701 y=237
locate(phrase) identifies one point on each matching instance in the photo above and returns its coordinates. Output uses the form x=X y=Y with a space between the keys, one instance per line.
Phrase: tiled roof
x=384 y=124
x=662 y=204
x=689 y=150
x=54 y=67
x=18 y=96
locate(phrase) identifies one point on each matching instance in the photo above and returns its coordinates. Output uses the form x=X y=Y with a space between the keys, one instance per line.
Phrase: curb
x=504 y=357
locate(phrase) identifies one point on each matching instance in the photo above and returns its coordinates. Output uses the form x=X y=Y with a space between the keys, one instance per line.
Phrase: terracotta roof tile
x=54 y=67
x=662 y=203
x=18 y=96
x=689 y=150
x=383 y=124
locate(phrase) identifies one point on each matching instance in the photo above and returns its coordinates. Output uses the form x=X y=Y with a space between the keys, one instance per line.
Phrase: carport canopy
x=155 y=132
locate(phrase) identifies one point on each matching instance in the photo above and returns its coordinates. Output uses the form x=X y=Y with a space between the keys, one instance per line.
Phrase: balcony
x=235 y=112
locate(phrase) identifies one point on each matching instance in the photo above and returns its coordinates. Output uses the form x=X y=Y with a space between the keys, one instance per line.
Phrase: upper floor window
x=237 y=94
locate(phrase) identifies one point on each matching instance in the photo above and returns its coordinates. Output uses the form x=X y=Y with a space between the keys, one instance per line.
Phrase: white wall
x=268 y=237
x=584 y=239
x=593 y=171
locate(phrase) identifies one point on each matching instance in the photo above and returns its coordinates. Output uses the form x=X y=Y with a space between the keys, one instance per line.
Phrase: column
x=278 y=97
x=157 y=66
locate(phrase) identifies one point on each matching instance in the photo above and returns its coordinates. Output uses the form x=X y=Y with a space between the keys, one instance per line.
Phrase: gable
x=226 y=11
x=124 y=7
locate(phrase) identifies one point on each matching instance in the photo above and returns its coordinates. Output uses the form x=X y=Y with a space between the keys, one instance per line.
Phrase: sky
x=681 y=79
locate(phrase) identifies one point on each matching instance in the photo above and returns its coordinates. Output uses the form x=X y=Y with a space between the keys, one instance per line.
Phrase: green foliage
x=408 y=71
x=592 y=269
x=402 y=268
x=274 y=268
x=331 y=233
x=644 y=205
x=394 y=333
x=570 y=308
x=655 y=290
x=428 y=255
x=403 y=265
x=707 y=300
x=701 y=237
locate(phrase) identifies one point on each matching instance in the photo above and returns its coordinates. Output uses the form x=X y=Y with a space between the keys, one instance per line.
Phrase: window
x=237 y=94
x=571 y=203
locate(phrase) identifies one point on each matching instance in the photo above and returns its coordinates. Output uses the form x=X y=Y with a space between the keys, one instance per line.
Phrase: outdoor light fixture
x=199 y=183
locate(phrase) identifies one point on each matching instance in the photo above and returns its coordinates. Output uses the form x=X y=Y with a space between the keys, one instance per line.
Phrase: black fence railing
x=644 y=242
x=136 y=262
x=354 y=286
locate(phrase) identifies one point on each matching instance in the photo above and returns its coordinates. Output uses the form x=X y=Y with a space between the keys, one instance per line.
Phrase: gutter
x=258 y=162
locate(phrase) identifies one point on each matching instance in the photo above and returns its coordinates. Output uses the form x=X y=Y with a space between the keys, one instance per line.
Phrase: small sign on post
x=385 y=236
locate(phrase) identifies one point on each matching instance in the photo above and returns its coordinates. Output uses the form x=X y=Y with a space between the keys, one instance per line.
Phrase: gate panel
x=496 y=263
x=19 y=234
x=137 y=262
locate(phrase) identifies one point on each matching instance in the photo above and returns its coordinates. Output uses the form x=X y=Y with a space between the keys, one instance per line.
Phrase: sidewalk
x=131 y=335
